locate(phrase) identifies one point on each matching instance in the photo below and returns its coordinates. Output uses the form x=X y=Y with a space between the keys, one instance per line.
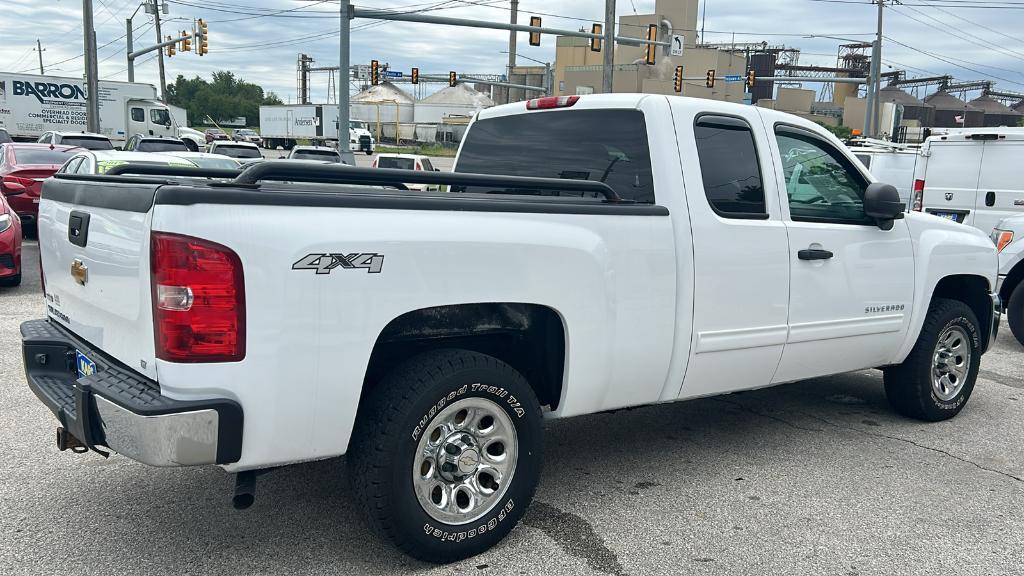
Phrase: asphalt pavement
x=817 y=477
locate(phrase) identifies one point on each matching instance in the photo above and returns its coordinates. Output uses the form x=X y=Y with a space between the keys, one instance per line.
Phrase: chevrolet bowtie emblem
x=80 y=272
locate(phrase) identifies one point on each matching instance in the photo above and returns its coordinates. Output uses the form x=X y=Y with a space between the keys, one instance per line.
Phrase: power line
x=966 y=36
x=947 y=60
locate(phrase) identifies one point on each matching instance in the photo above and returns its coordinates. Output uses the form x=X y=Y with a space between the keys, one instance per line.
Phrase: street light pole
x=91 y=72
x=159 y=39
x=609 y=46
x=512 y=49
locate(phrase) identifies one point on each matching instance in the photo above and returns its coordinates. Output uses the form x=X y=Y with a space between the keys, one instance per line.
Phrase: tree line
x=224 y=97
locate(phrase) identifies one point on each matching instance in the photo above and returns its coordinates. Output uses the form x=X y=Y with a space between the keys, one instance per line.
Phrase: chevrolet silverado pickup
x=593 y=253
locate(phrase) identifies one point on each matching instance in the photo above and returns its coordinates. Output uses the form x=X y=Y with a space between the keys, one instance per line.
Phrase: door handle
x=990 y=199
x=814 y=254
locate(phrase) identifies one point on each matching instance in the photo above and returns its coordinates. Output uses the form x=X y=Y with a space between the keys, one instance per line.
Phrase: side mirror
x=437 y=169
x=882 y=202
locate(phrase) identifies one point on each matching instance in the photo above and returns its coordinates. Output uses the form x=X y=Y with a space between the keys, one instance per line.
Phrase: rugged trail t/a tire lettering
x=1015 y=313
x=446 y=453
x=937 y=377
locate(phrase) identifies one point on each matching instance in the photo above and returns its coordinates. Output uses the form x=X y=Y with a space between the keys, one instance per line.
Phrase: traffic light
x=679 y=79
x=374 y=72
x=595 y=43
x=186 y=42
x=415 y=76
x=650 y=50
x=452 y=79
x=202 y=37
x=751 y=78
x=710 y=82
x=170 y=48
x=535 y=36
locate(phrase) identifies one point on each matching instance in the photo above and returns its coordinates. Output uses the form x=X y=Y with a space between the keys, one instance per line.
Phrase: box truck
x=31 y=104
x=284 y=124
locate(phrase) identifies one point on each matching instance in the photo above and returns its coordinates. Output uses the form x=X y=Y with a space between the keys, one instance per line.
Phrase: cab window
x=729 y=167
x=822 y=184
x=138 y=115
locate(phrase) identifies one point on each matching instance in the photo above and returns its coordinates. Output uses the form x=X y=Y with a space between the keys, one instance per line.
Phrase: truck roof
x=959 y=134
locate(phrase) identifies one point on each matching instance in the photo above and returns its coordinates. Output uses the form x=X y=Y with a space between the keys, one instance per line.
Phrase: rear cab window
x=161 y=146
x=317 y=155
x=607 y=145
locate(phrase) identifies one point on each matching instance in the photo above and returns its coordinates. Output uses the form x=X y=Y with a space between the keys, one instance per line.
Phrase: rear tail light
x=918 y=195
x=551 y=102
x=198 y=300
x=15 y=185
x=1001 y=238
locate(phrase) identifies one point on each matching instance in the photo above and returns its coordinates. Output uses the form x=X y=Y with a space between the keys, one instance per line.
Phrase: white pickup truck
x=617 y=251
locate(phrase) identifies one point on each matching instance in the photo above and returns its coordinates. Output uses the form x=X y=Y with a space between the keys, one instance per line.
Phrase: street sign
x=733 y=78
x=676 y=49
x=392 y=74
x=362 y=71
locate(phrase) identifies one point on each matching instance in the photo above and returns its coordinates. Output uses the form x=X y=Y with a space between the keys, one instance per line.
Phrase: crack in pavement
x=1011 y=381
x=746 y=408
x=914 y=443
x=575 y=536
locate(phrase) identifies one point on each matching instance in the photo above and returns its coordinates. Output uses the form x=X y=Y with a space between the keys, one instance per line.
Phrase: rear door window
x=729 y=167
x=607 y=146
x=427 y=165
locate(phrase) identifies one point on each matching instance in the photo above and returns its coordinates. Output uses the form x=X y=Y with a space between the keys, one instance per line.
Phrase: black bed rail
x=284 y=170
x=158 y=170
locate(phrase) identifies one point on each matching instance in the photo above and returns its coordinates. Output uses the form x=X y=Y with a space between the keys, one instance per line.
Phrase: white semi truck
x=31 y=105
x=284 y=124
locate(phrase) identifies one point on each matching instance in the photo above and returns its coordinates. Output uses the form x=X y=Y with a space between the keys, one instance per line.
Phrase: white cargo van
x=889 y=162
x=972 y=176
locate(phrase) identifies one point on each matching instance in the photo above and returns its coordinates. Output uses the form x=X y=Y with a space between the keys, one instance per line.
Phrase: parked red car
x=23 y=167
x=10 y=245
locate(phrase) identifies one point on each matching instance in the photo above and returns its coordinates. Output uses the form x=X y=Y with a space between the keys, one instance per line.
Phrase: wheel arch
x=529 y=337
x=973 y=291
x=1013 y=279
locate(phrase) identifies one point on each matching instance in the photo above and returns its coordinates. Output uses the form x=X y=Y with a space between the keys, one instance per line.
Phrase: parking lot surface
x=817 y=477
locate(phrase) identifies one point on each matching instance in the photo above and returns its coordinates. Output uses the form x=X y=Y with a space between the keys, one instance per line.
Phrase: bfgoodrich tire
x=938 y=376
x=1015 y=313
x=446 y=453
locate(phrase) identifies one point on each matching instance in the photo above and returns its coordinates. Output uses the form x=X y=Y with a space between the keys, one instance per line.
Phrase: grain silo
x=952 y=112
x=920 y=113
x=996 y=113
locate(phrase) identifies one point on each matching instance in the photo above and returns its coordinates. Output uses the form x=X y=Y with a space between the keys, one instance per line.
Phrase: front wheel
x=1015 y=313
x=446 y=453
x=937 y=377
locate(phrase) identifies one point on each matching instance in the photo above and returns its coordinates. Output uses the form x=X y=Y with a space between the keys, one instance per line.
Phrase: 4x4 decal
x=325 y=263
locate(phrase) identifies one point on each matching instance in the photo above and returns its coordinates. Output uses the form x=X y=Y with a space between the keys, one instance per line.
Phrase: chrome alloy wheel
x=465 y=461
x=950 y=363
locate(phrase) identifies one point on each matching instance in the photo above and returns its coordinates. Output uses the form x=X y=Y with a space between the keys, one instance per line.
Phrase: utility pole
x=91 y=72
x=131 y=48
x=39 y=48
x=345 y=23
x=159 y=39
x=609 y=46
x=876 y=76
x=512 y=49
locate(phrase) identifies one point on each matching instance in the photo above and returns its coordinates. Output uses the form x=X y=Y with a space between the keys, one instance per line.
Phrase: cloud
x=969 y=44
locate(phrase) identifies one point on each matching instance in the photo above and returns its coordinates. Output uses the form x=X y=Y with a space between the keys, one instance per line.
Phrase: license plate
x=86 y=367
x=948 y=216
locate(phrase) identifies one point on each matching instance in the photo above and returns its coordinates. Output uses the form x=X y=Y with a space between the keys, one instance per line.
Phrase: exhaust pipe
x=245 y=488
x=67 y=441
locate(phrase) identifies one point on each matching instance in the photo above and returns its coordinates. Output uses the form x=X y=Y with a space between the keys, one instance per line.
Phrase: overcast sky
x=944 y=39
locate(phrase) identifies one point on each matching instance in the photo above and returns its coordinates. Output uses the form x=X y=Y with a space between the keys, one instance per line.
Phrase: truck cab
x=148 y=118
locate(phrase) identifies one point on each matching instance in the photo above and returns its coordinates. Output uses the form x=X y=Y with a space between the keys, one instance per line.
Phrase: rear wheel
x=938 y=376
x=1015 y=313
x=446 y=453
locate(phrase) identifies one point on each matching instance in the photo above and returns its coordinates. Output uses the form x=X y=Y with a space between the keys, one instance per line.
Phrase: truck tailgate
x=94 y=250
